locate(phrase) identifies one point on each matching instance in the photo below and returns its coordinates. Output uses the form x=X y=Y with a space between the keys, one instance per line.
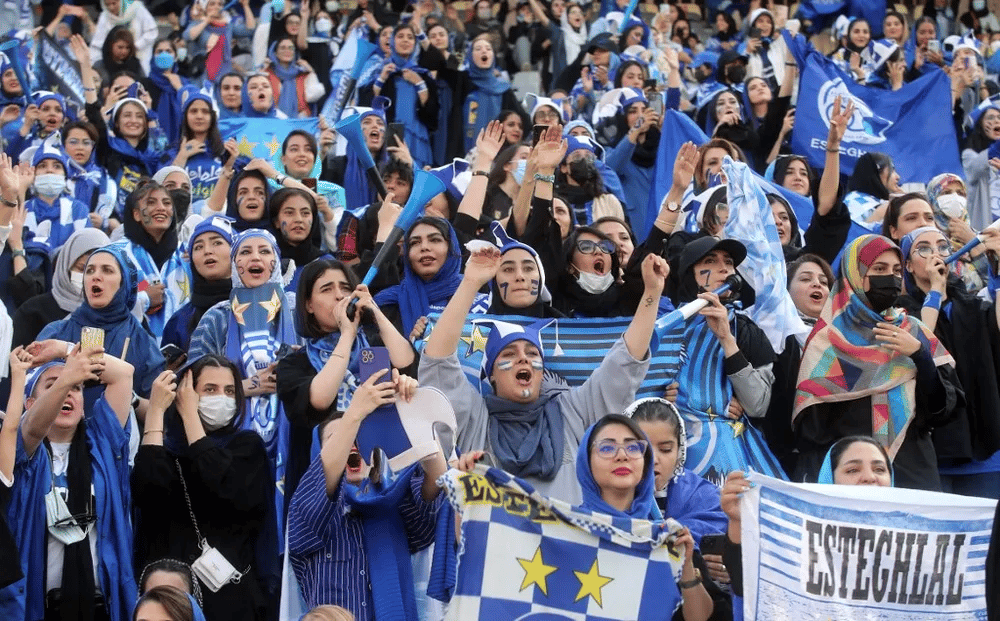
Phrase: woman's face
x=712 y=162
x=405 y=41
x=255 y=262
x=782 y=221
x=373 y=129
x=885 y=264
x=620 y=472
x=482 y=54
x=663 y=440
x=132 y=121
x=797 y=178
x=991 y=123
x=210 y=256
x=726 y=103
x=438 y=36
x=633 y=77
x=560 y=213
x=623 y=241
x=597 y=261
x=163 y=46
x=199 y=117
x=634 y=113
x=521 y=153
x=921 y=267
x=295 y=219
x=51 y=115
x=862 y=464
x=101 y=280
x=285 y=51
x=260 y=92
x=860 y=34
x=298 y=157
x=329 y=289
x=293 y=23
x=954 y=187
x=558 y=7
x=766 y=25
x=681 y=31
x=721 y=25
x=213 y=8
x=120 y=50
x=758 y=91
x=712 y=270
x=166 y=578
x=385 y=41
x=925 y=32
x=889 y=178
x=634 y=36
x=251 y=199
x=913 y=214
x=154 y=211
x=893 y=28
x=513 y=131
x=518 y=281
x=809 y=289
x=230 y=90
x=575 y=16
x=177 y=181
x=547 y=115
x=427 y=250
x=50 y=166
x=10 y=82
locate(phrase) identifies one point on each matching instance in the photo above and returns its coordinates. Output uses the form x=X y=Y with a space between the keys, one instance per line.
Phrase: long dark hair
x=497 y=174
x=214 y=142
x=305 y=322
x=175 y=603
x=895 y=207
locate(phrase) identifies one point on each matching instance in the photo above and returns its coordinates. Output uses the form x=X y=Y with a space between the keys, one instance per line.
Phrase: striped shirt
x=326 y=541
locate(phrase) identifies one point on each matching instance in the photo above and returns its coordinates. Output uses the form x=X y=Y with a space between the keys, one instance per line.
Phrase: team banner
x=527 y=557
x=912 y=125
x=62 y=69
x=849 y=552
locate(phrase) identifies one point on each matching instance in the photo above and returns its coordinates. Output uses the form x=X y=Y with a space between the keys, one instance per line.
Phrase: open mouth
x=96 y=290
x=210 y=262
x=256 y=270
x=600 y=267
x=484 y=59
x=354 y=462
x=67 y=408
x=816 y=296
x=523 y=377
x=426 y=261
x=262 y=97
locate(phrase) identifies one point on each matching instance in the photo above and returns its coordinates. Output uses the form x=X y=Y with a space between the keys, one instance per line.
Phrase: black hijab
x=160 y=251
x=867 y=178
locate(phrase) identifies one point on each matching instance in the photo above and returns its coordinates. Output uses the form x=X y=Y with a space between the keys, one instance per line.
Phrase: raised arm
x=20 y=362
x=488 y=144
x=481 y=268
x=44 y=409
x=217 y=199
x=670 y=208
x=640 y=331
x=830 y=182
x=117 y=378
x=542 y=163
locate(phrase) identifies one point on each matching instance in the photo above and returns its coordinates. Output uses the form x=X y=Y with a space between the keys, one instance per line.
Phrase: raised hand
x=551 y=149
x=839 y=119
x=684 y=164
x=655 y=270
x=482 y=265
x=164 y=391
x=489 y=142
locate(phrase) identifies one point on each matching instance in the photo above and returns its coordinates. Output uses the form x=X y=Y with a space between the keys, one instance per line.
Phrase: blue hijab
x=407 y=101
x=248 y=109
x=413 y=295
x=168 y=107
x=826 y=470
x=642 y=504
x=288 y=98
x=143 y=154
x=488 y=97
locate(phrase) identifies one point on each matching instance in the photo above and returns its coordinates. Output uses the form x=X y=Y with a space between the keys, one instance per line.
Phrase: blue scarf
x=148 y=158
x=488 y=97
x=413 y=296
x=642 y=504
x=288 y=98
x=247 y=108
x=319 y=352
x=439 y=140
x=168 y=107
x=826 y=471
x=407 y=102
x=389 y=568
x=527 y=438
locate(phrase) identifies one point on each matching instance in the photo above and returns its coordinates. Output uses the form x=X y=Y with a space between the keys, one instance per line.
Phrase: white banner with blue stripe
x=849 y=552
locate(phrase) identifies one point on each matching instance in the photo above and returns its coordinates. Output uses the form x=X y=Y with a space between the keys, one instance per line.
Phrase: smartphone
x=934 y=46
x=91 y=338
x=537 y=132
x=755 y=33
x=309 y=183
x=171 y=352
x=396 y=129
x=649 y=85
x=656 y=103
x=373 y=360
x=713 y=544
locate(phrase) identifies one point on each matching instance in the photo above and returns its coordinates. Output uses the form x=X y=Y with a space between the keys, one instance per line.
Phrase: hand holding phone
x=536 y=134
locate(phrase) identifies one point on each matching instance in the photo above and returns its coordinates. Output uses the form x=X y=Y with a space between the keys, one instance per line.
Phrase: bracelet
x=18 y=253
x=148 y=431
x=829 y=150
x=379 y=83
x=692 y=583
x=280 y=179
x=933 y=300
x=665 y=223
x=480 y=173
x=423 y=87
x=545 y=178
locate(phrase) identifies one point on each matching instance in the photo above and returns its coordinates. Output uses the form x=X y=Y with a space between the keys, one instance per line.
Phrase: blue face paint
x=503 y=290
x=707 y=275
x=534 y=287
x=505 y=365
x=713 y=179
x=537 y=364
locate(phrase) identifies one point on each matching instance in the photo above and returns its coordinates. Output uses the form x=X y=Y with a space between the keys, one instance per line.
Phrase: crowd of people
x=185 y=321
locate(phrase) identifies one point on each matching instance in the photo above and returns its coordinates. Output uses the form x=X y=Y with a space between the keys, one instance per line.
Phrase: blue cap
x=503 y=334
x=575 y=143
x=223 y=225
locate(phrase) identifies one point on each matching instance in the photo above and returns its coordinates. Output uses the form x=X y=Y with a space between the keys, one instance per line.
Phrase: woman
x=347 y=170
x=88 y=181
x=970 y=327
x=53 y=214
x=919 y=57
x=948 y=197
x=726 y=37
x=513 y=127
x=505 y=179
x=166 y=603
x=198 y=453
x=166 y=85
x=587 y=285
x=134 y=18
x=296 y=221
x=711 y=215
x=567 y=29
x=724 y=120
x=170 y=572
x=293 y=81
x=40 y=121
x=321 y=377
x=76 y=456
x=634 y=154
x=67 y=287
x=252 y=329
x=257 y=98
x=405 y=79
x=440 y=39
x=208 y=250
x=199 y=148
x=870 y=368
x=886 y=65
x=247 y=200
x=110 y=287
x=229 y=95
x=873 y=180
x=587 y=183
x=767 y=50
x=128 y=150
x=151 y=236
x=906 y=213
x=431 y=274
x=615 y=483
x=809 y=282
x=213 y=36
x=981 y=174
x=894 y=28
x=519 y=286
x=850 y=56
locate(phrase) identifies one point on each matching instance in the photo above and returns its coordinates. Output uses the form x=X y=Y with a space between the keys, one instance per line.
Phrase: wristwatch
x=673 y=206
x=693 y=582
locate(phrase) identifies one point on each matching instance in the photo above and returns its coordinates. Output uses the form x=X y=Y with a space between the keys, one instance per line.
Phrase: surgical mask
x=76 y=279
x=182 y=54
x=952 y=205
x=518 y=171
x=216 y=411
x=163 y=60
x=50 y=185
x=736 y=74
x=594 y=283
x=883 y=291
x=332 y=6
x=277 y=7
x=323 y=25
x=61 y=524
x=978 y=5
x=582 y=170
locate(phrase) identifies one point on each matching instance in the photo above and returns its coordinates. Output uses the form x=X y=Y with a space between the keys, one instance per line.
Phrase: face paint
x=505 y=365
x=525 y=393
x=707 y=275
x=537 y=364
x=503 y=291
x=534 y=287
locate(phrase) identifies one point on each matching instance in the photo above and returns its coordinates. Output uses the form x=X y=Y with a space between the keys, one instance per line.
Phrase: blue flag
x=912 y=125
x=677 y=129
x=524 y=556
x=263 y=137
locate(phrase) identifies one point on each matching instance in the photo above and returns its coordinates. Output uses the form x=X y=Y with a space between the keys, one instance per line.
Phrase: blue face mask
x=163 y=60
x=518 y=171
x=277 y=6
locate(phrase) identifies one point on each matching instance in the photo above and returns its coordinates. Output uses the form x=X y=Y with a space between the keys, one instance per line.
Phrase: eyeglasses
x=587 y=246
x=925 y=252
x=78 y=142
x=547 y=115
x=608 y=449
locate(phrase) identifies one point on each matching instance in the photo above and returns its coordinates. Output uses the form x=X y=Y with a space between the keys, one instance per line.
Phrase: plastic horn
x=10 y=49
x=350 y=129
x=425 y=187
x=345 y=88
x=676 y=317
x=978 y=239
x=629 y=11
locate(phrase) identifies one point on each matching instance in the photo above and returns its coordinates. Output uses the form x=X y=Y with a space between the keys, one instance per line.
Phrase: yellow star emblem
x=185 y=287
x=535 y=571
x=476 y=341
x=274 y=146
x=245 y=147
x=239 y=309
x=272 y=306
x=711 y=414
x=591 y=584
x=738 y=427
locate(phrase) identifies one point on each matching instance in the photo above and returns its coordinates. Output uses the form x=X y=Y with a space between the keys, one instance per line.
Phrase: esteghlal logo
x=865 y=127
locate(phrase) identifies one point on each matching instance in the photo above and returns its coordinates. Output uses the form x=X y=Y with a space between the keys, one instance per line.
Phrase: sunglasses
x=587 y=246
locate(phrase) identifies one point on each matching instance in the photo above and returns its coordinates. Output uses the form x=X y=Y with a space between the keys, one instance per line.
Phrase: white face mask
x=592 y=283
x=323 y=25
x=182 y=54
x=978 y=5
x=953 y=205
x=332 y=6
x=50 y=184
x=216 y=411
x=76 y=278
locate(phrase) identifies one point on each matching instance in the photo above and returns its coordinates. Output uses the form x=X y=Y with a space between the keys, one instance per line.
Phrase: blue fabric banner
x=263 y=137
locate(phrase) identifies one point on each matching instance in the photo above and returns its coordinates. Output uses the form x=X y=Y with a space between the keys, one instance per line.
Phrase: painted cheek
x=537 y=364
x=505 y=365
